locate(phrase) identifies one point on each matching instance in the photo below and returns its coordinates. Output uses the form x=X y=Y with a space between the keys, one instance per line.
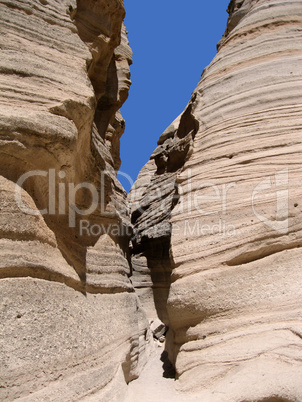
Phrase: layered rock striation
x=217 y=215
x=71 y=322
x=215 y=223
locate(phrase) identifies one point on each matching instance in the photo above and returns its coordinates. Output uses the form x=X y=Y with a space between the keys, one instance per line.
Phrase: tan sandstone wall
x=71 y=323
x=216 y=212
x=222 y=196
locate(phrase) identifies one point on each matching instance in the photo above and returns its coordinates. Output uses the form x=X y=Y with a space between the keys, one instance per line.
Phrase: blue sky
x=172 y=42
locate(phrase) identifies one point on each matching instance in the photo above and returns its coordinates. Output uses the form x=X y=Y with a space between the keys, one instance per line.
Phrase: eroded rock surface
x=71 y=323
x=216 y=212
x=219 y=208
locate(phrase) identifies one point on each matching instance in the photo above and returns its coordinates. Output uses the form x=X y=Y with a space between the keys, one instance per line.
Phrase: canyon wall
x=71 y=324
x=215 y=221
x=217 y=216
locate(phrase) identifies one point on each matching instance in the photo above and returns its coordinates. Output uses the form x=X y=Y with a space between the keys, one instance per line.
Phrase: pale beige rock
x=221 y=271
x=59 y=344
x=71 y=324
x=234 y=298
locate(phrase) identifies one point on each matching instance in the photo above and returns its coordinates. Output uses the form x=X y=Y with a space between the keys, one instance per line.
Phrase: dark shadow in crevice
x=168 y=368
x=274 y=399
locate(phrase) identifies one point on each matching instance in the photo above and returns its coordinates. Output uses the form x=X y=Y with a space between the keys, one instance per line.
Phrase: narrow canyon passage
x=156 y=382
x=206 y=249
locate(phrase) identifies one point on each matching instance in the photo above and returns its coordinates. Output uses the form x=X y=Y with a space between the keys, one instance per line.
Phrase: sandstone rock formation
x=217 y=216
x=71 y=323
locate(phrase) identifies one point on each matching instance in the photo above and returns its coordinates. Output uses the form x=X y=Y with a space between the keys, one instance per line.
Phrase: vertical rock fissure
x=152 y=200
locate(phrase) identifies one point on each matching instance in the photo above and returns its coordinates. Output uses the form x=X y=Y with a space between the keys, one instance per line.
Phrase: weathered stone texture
x=71 y=324
x=233 y=250
x=215 y=213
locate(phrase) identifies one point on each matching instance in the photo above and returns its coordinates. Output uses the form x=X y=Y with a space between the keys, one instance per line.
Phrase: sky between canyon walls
x=172 y=42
